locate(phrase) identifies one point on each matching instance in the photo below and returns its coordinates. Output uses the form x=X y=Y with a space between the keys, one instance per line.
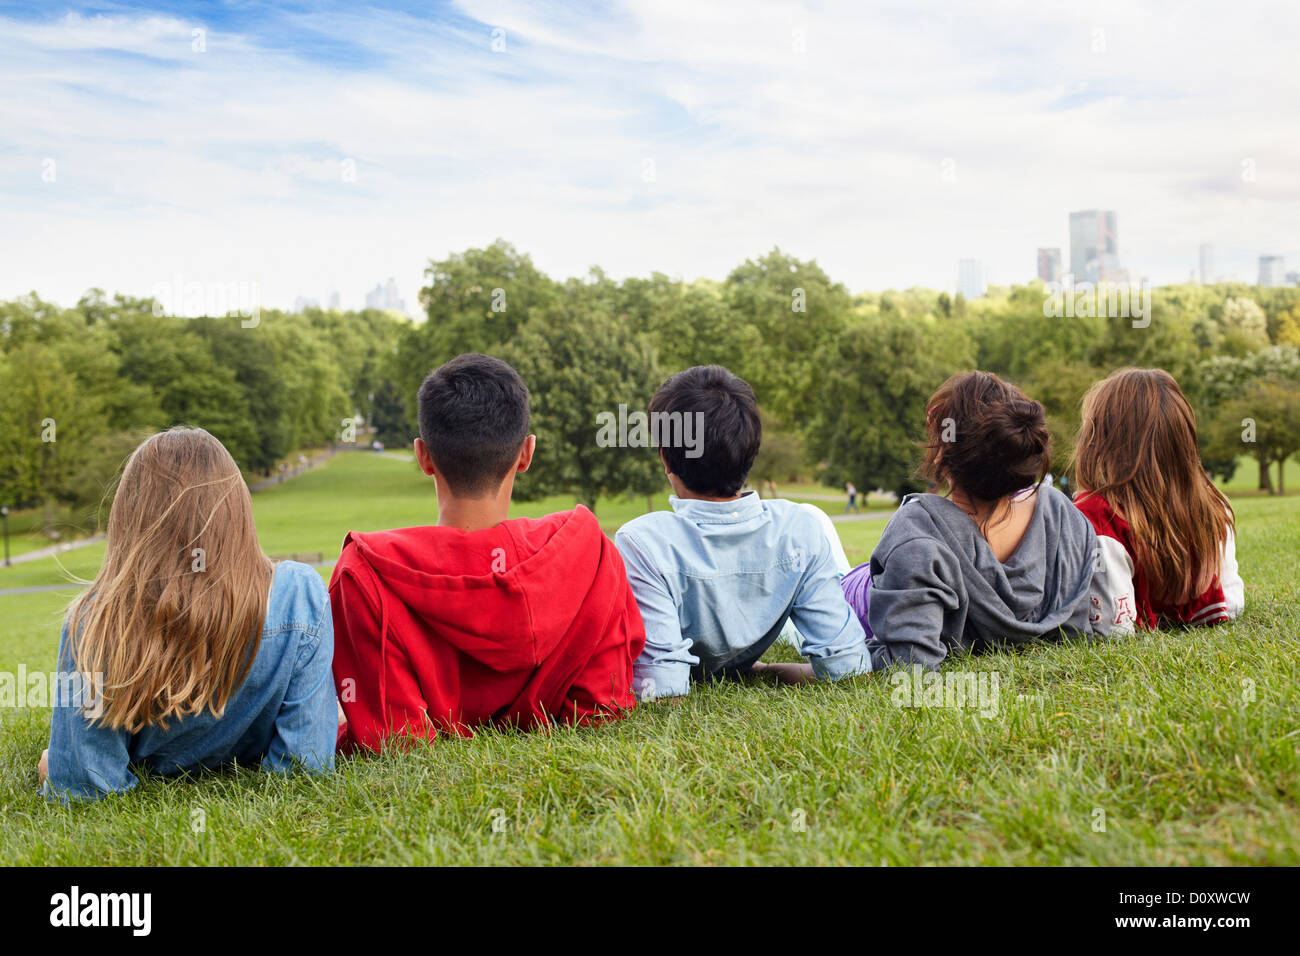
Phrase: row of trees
x=83 y=385
x=842 y=379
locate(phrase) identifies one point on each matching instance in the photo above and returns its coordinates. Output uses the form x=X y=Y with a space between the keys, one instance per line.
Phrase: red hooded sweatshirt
x=438 y=629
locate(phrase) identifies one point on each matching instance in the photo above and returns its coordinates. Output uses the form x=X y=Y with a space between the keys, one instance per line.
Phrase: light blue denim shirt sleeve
x=86 y=759
x=306 y=728
x=664 y=668
x=283 y=716
x=833 y=639
x=790 y=634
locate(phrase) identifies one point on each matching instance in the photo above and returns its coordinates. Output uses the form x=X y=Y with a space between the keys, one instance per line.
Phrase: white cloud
x=226 y=165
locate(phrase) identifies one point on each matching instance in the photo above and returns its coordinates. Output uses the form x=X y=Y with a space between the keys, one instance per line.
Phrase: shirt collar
x=741 y=509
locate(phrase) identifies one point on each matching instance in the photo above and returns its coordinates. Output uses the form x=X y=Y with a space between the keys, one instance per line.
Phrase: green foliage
x=579 y=362
x=103 y=375
x=871 y=400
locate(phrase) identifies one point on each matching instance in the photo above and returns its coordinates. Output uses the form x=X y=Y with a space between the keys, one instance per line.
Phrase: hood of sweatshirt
x=1043 y=586
x=505 y=596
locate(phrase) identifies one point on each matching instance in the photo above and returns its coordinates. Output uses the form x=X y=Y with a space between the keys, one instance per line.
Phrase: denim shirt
x=717 y=580
x=284 y=712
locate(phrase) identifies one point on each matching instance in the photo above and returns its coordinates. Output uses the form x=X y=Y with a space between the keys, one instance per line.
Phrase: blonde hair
x=173 y=620
x=1137 y=449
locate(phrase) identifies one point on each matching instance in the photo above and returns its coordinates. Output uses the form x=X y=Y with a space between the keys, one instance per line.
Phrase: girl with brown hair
x=1002 y=558
x=1165 y=531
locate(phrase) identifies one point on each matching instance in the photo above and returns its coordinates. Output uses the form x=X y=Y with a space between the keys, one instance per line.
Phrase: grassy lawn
x=1176 y=748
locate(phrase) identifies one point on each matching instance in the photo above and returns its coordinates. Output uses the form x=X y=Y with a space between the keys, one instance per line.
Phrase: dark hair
x=474 y=419
x=986 y=437
x=730 y=433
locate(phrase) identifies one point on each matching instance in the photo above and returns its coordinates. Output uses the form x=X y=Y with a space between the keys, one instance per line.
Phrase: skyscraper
x=970 y=278
x=1049 y=265
x=1272 y=271
x=1207 y=263
x=386 y=296
x=1094 y=246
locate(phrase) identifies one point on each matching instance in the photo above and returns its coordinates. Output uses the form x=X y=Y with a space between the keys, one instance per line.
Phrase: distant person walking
x=853 y=498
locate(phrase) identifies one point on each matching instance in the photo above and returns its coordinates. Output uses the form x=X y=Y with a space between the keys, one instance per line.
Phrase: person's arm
x=789 y=633
x=909 y=599
x=833 y=640
x=1234 y=588
x=1114 y=605
x=663 y=669
x=85 y=760
x=373 y=676
x=306 y=726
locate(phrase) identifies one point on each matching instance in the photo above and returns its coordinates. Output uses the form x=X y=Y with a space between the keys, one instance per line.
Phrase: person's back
x=1166 y=534
x=240 y=669
x=718 y=577
x=480 y=619
x=1004 y=559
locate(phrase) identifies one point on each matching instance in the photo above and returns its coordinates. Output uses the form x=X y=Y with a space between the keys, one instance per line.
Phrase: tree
x=870 y=406
x=797 y=311
x=46 y=422
x=1264 y=423
x=580 y=363
x=780 y=457
x=1225 y=379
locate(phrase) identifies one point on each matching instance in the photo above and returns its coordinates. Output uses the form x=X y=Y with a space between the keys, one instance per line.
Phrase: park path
x=314 y=462
x=56 y=549
x=862 y=516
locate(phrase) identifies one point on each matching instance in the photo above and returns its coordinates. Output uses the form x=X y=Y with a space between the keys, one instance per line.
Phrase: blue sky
x=885 y=140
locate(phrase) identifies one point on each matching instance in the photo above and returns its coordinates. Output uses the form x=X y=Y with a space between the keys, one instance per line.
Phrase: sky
x=312 y=148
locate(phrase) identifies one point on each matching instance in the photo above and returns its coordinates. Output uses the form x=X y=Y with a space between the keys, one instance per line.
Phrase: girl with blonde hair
x=190 y=648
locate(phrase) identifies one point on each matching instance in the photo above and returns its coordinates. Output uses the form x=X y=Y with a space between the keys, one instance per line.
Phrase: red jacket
x=1132 y=598
x=437 y=629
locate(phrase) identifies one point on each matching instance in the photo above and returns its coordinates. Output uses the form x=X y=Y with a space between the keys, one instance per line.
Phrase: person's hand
x=43 y=768
x=785 y=673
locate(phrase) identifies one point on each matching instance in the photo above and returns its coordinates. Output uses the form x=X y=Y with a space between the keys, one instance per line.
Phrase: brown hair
x=172 y=621
x=987 y=438
x=1137 y=449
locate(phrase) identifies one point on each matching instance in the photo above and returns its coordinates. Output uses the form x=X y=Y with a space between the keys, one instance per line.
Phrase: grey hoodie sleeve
x=909 y=600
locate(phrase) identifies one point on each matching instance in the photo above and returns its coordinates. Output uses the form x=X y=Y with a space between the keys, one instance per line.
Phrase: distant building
x=302 y=304
x=1207 y=263
x=1094 y=246
x=1293 y=278
x=1049 y=265
x=970 y=278
x=386 y=296
x=1272 y=271
x=336 y=303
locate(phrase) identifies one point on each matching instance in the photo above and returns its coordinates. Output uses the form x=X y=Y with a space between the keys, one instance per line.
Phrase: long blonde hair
x=1137 y=449
x=173 y=620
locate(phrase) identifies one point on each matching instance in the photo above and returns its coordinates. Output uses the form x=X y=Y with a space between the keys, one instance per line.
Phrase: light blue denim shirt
x=717 y=580
x=284 y=714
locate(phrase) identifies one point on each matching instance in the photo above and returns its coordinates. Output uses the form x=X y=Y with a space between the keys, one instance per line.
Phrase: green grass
x=1186 y=742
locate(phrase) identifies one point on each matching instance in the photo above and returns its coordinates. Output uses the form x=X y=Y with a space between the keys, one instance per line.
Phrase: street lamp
x=4 y=514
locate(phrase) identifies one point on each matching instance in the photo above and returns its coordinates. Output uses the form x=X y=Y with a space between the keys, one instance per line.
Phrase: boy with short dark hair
x=479 y=619
x=718 y=577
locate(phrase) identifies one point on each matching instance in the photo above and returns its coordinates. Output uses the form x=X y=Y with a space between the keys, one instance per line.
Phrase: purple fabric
x=857 y=591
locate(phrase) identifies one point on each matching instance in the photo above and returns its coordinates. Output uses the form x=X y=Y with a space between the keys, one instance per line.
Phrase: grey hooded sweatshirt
x=936 y=585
